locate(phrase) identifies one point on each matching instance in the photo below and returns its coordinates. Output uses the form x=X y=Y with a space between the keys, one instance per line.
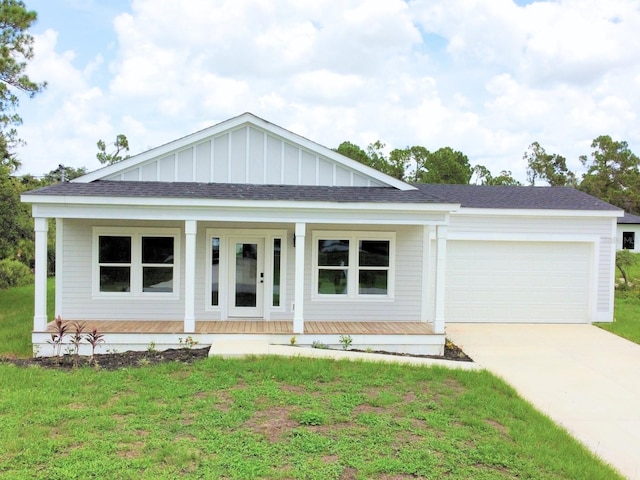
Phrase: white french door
x=246 y=276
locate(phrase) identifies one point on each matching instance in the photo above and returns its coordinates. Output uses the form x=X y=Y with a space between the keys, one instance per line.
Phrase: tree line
x=612 y=169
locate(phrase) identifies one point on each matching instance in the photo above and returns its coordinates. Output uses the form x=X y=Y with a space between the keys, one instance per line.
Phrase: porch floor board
x=256 y=326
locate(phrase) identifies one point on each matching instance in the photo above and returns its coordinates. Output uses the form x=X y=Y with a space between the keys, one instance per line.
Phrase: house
x=628 y=233
x=247 y=230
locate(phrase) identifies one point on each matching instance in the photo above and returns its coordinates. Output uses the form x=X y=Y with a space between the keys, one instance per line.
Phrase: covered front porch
x=120 y=335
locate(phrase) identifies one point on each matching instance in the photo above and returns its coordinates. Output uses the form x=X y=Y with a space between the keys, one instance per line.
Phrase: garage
x=518 y=282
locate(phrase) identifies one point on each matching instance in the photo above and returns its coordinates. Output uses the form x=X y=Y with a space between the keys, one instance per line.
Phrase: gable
x=246 y=150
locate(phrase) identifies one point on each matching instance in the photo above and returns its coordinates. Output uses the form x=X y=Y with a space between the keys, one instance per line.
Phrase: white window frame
x=136 y=265
x=223 y=267
x=353 y=269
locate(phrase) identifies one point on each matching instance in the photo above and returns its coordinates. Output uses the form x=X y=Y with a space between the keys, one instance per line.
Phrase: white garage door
x=545 y=282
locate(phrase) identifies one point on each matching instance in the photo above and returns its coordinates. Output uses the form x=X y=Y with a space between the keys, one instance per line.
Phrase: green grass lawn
x=277 y=418
x=268 y=418
x=627 y=318
x=16 y=318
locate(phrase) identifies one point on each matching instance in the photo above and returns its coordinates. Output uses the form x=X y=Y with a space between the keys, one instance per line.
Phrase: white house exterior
x=628 y=233
x=246 y=222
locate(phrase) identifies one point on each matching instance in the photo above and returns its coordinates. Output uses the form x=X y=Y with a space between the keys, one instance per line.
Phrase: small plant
x=346 y=341
x=152 y=347
x=95 y=339
x=312 y=418
x=57 y=337
x=292 y=340
x=369 y=350
x=320 y=345
x=188 y=343
x=76 y=337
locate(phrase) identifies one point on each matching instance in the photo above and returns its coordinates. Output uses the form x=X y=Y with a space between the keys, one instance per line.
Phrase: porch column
x=190 y=231
x=298 y=313
x=426 y=260
x=441 y=272
x=40 y=310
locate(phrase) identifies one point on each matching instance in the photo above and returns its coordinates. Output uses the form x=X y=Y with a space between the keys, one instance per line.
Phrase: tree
x=549 y=167
x=445 y=165
x=624 y=260
x=375 y=157
x=16 y=48
x=483 y=176
x=613 y=174
x=63 y=173
x=354 y=152
x=121 y=144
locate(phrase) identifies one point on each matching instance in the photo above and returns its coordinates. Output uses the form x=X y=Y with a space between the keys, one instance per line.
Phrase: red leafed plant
x=95 y=339
x=57 y=336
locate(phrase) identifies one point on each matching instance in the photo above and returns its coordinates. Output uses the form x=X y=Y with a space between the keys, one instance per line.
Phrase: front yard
x=269 y=418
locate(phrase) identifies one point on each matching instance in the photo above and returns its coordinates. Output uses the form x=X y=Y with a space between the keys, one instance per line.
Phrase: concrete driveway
x=584 y=378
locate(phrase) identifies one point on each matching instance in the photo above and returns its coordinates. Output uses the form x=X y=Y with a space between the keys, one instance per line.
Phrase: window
x=629 y=240
x=137 y=264
x=353 y=264
x=114 y=259
x=215 y=271
x=277 y=266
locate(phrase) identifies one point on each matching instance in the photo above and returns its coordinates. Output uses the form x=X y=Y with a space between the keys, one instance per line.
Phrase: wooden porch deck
x=256 y=326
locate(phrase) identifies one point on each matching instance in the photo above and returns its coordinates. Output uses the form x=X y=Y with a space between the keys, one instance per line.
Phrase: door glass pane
x=246 y=274
x=215 y=271
x=277 y=247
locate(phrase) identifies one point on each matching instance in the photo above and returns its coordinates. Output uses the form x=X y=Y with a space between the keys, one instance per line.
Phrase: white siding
x=79 y=303
x=78 y=300
x=408 y=277
x=246 y=155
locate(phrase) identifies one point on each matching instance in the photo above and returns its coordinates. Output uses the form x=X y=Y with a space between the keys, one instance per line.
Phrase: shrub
x=14 y=274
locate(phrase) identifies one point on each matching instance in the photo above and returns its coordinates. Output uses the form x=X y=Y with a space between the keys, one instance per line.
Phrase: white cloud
x=486 y=77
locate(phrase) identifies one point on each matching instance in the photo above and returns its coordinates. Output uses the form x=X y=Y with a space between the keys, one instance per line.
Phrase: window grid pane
x=157 y=250
x=114 y=249
x=332 y=281
x=215 y=271
x=157 y=279
x=277 y=251
x=333 y=253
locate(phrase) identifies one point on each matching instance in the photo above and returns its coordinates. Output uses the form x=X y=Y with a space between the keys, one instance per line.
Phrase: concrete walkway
x=584 y=378
x=259 y=347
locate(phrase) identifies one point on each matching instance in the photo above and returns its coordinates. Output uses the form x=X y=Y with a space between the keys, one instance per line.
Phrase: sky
x=485 y=77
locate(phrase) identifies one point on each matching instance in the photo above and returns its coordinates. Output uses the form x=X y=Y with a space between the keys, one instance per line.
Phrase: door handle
x=261 y=277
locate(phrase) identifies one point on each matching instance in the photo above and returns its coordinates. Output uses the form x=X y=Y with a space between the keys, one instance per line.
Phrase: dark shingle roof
x=470 y=196
x=228 y=191
x=517 y=197
x=629 y=218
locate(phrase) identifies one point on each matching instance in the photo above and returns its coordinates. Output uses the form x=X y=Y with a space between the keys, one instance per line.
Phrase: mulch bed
x=130 y=359
x=451 y=352
x=114 y=361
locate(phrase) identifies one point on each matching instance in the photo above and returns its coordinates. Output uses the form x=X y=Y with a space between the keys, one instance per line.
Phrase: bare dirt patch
x=274 y=423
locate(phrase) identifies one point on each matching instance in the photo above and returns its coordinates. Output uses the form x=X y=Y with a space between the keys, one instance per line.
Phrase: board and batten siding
x=596 y=231
x=247 y=155
x=406 y=304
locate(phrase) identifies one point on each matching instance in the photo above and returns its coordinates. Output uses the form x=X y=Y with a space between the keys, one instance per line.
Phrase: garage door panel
x=517 y=281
